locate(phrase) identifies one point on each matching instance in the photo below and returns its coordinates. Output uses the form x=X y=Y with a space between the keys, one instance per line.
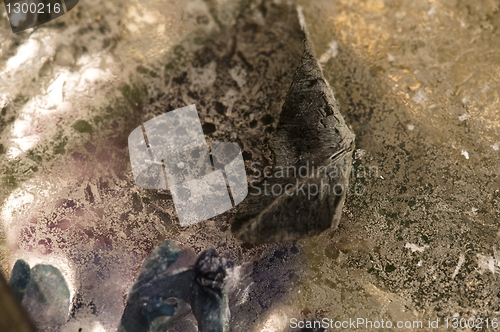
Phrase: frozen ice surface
x=68 y=196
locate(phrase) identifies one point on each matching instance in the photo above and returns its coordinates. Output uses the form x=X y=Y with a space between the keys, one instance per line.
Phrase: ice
x=69 y=199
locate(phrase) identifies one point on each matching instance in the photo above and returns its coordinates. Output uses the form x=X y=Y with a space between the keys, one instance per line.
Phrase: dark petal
x=159 y=303
x=20 y=278
x=210 y=309
x=47 y=297
x=208 y=298
x=167 y=298
x=157 y=299
x=157 y=262
x=210 y=270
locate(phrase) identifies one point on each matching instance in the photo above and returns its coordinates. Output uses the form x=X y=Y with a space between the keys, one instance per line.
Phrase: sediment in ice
x=312 y=151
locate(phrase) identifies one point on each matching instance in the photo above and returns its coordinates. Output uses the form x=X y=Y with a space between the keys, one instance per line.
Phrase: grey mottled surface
x=416 y=81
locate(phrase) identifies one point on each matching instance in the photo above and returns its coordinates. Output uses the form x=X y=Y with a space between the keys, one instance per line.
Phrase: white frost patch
x=432 y=11
x=496 y=146
x=94 y=75
x=359 y=153
x=420 y=96
x=277 y=321
x=98 y=328
x=488 y=263
x=20 y=202
x=55 y=90
x=461 y=261
x=13 y=153
x=21 y=128
x=85 y=320
x=464 y=117
x=229 y=99
x=411 y=127
x=17 y=207
x=465 y=154
x=64 y=107
x=27 y=142
x=17 y=200
x=143 y=15
x=203 y=76
x=239 y=75
x=331 y=52
x=25 y=53
x=414 y=247
x=302 y=19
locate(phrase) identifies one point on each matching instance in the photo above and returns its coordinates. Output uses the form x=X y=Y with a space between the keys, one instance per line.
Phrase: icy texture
x=20 y=278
